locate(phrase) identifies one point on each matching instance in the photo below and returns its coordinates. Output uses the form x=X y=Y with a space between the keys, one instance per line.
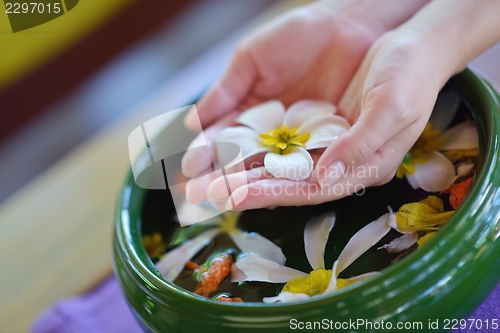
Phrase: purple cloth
x=104 y=310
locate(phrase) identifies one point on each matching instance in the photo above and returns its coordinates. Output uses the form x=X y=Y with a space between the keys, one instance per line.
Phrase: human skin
x=387 y=94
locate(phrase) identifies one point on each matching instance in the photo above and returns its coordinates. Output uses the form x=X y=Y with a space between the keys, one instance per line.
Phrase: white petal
x=171 y=265
x=435 y=175
x=315 y=238
x=254 y=243
x=332 y=285
x=323 y=130
x=391 y=219
x=247 y=139
x=363 y=277
x=301 y=111
x=401 y=243
x=286 y=297
x=237 y=274
x=445 y=109
x=263 y=117
x=363 y=240
x=256 y=268
x=464 y=169
x=413 y=181
x=190 y=213
x=461 y=136
x=295 y=164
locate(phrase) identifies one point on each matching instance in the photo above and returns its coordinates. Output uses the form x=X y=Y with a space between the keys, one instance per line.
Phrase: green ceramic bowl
x=447 y=278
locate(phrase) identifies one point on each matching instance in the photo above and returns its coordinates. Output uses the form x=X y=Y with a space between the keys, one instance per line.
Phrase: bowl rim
x=461 y=227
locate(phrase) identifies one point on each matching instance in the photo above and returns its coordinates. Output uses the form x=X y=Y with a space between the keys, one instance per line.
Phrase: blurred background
x=71 y=90
x=64 y=80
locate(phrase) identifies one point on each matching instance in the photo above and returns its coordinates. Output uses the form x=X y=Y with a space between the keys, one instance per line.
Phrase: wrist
x=375 y=16
x=457 y=31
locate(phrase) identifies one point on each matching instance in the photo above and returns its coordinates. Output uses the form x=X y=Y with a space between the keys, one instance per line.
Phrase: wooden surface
x=55 y=233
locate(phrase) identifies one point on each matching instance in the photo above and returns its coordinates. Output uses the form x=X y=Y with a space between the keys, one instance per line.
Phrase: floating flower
x=153 y=244
x=426 y=167
x=425 y=238
x=425 y=215
x=300 y=285
x=458 y=192
x=287 y=136
x=414 y=218
x=172 y=264
x=211 y=277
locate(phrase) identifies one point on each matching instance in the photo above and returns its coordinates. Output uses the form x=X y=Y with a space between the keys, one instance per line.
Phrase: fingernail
x=332 y=174
x=217 y=190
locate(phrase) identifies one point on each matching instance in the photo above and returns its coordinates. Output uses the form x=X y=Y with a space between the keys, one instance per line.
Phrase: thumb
x=227 y=94
x=395 y=87
x=370 y=132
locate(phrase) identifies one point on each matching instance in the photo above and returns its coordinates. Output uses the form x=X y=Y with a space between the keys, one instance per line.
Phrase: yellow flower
x=425 y=238
x=320 y=280
x=153 y=244
x=424 y=166
x=462 y=155
x=428 y=142
x=413 y=218
x=315 y=283
x=172 y=264
x=284 y=137
x=425 y=215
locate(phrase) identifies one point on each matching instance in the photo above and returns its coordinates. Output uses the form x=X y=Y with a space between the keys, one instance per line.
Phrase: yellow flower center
x=229 y=220
x=426 y=215
x=315 y=283
x=284 y=137
x=342 y=283
x=429 y=141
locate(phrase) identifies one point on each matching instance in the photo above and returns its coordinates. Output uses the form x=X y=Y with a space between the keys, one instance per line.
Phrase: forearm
x=459 y=29
x=379 y=15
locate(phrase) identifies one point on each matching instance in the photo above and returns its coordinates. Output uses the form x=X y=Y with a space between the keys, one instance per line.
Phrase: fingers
x=196 y=188
x=199 y=155
x=217 y=190
x=226 y=95
x=257 y=189
x=397 y=87
x=381 y=119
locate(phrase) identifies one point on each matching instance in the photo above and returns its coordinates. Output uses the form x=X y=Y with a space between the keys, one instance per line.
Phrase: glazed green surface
x=447 y=278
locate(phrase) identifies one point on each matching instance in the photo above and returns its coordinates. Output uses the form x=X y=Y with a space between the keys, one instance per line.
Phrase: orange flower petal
x=220 y=267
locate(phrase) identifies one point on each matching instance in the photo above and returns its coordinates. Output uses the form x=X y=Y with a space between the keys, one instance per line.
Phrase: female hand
x=312 y=52
x=389 y=101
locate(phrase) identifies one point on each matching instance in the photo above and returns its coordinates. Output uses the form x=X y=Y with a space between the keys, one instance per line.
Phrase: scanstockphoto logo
x=26 y=14
x=156 y=148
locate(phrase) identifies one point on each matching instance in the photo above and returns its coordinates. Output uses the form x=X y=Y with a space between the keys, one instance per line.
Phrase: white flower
x=424 y=165
x=301 y=285
x=172 y=264
x=285 y=136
